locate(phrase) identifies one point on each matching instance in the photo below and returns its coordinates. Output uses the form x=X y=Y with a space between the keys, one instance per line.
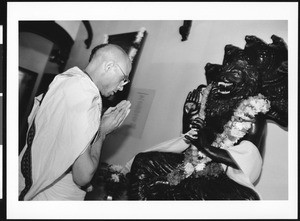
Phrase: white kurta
x=66 y=122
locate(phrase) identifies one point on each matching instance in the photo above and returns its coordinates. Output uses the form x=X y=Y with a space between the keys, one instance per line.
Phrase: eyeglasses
x=125 y=79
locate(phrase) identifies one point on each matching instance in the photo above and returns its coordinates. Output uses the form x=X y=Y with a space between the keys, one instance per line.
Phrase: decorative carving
x=89 y=30
x=184 y=30
x=259 y=68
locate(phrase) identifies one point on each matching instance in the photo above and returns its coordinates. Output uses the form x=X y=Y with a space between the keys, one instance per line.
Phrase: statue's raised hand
x=191 y=105
x=191 y=108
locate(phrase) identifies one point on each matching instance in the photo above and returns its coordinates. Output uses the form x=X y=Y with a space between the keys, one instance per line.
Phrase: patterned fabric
x=26 y=162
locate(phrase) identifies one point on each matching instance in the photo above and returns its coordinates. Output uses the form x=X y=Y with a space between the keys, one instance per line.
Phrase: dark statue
x=259 y=68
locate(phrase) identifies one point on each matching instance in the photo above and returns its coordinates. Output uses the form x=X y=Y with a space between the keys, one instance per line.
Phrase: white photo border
x=148 y=11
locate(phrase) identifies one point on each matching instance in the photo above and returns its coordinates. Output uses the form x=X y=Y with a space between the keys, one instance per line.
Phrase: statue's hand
x=191 y=107
x=196 y=135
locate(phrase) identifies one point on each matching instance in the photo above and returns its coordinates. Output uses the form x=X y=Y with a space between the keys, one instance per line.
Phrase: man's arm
x=86 y=164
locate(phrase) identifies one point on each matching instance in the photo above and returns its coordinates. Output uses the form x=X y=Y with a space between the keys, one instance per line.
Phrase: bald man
x=66 y=129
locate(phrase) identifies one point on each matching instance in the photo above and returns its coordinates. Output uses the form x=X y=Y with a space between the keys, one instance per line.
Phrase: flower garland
x=198 y=164
x=137 y=41
x=241 y=121
x=205 y=94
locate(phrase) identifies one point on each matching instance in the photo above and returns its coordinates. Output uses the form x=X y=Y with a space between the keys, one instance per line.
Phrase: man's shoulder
x=73 y=72
x=73 y=83
x=74 y=77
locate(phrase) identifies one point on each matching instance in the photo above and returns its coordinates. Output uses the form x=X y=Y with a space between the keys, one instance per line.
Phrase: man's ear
x=109 y=65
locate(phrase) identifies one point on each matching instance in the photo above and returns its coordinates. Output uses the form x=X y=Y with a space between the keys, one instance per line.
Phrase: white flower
x=253 y=102
x=115 y=178
x=132 y=53
x=215 y=144
x=200 y=154
x=142 y=29
x=90 y=188
x=189 y=169
x=250 y=111
x=227 y=143
x=241 y=114
x=117 y=168
x=247 y=125
x=237 y=132
x=105 y=41
x=200 y=166
x=244 y=103
x=222 y=146
x=238 y=125
x=140 y=34
x=265 y=107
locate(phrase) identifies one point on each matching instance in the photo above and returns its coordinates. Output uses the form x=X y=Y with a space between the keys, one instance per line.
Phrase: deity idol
x=220 y=154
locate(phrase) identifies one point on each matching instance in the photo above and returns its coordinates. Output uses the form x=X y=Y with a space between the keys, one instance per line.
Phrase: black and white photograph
x=186 y=106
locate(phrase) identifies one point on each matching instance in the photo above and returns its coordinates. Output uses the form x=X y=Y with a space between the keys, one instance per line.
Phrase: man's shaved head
x=109 y=66
x=108 y=52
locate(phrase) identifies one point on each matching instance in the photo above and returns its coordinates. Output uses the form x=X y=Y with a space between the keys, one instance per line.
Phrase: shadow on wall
x=123 y=133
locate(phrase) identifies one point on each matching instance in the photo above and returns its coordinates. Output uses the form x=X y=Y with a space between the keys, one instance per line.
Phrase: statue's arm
x=255 y=135
x=257 y=132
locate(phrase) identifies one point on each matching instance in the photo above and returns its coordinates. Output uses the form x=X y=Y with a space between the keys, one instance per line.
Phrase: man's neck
x=88 y=75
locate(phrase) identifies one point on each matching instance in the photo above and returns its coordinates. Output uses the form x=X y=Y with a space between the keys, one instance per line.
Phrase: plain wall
x=172 y=68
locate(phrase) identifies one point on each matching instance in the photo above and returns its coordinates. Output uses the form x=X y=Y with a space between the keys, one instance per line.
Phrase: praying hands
x=113 y=117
